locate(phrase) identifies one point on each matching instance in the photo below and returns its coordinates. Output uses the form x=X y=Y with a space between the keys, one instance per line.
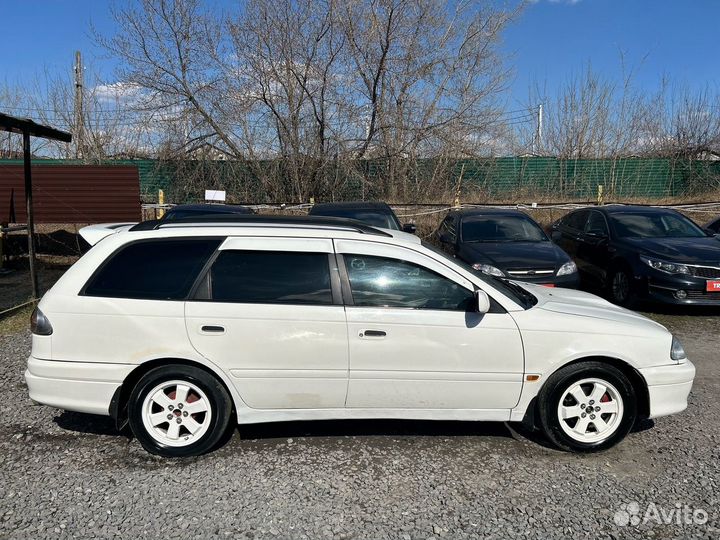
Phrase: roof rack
x=250 y=220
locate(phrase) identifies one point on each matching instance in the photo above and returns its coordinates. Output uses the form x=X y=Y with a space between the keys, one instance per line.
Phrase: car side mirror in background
x=483 y=301
x=409 y=228
x=445 y=238
x=709 y=231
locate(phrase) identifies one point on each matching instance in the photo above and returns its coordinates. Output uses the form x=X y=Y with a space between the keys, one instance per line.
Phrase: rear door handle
x=212 y=329
x=373 y=333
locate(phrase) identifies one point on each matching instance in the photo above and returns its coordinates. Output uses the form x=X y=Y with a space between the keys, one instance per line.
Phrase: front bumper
x=86 y=387
x=663 y=288
x=668 y=387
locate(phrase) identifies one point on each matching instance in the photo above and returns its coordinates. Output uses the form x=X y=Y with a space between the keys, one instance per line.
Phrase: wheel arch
x=118 y=404
x=634 y=376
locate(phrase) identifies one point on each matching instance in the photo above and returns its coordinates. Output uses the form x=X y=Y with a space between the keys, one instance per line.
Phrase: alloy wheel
x=590 y=410
x=176 y=413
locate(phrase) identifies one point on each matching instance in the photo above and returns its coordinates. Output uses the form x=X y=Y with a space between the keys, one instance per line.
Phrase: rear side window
x=153 y=270
x=270 y=277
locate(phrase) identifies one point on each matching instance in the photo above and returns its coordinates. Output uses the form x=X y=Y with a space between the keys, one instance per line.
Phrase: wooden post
x=30 y=220
x=161 y=200
x=600 y=195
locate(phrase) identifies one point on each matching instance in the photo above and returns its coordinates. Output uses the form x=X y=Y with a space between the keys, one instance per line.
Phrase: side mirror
x=483 y=301
x=710 y=232
x=409 y=228
x=445 y=238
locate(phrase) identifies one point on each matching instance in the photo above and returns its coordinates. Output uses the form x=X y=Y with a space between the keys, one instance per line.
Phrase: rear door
x=593 y=252
x=269 y=312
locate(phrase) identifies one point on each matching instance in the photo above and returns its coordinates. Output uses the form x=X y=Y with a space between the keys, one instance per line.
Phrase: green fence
x=492 y=179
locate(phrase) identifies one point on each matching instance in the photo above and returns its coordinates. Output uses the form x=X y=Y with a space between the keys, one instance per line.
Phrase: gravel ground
x=68 y=475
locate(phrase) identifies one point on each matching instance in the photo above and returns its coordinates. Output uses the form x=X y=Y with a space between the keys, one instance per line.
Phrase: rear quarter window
x=152 y=269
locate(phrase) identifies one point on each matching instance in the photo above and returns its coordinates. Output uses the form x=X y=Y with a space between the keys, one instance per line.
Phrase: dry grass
x=17 y=322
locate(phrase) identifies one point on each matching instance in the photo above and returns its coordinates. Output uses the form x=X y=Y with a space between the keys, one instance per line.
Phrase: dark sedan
x=506 y=243
x=376 y=214
x=713 y=226
x=635 y=252
x=184 y=211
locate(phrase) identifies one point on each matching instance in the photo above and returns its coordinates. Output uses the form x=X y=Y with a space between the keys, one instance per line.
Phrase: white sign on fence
x=214 y=195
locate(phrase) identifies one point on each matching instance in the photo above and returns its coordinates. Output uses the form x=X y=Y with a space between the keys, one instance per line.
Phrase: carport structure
x=28 y=128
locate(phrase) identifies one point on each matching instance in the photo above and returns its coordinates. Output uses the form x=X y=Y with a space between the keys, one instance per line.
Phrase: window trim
x=83 y=291
x=335 y=281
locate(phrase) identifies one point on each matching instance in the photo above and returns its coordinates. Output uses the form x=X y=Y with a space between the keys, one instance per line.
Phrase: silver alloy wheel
x=176 y=413
x=620 y=286
x=590 y=410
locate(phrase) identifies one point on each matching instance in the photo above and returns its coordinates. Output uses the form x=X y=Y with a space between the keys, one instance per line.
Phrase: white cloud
x=117 y=91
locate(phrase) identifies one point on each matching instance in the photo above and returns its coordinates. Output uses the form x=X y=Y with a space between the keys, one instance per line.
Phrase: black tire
x=219 y=405
x=620 y=287
x=555 y=390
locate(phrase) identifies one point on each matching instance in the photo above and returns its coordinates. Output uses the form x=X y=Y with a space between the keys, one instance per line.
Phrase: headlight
x=677 y=352
x=567 y=268
x=670 y=268
x=489 y=270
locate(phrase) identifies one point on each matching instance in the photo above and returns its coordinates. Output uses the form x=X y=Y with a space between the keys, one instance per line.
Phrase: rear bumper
x=86 y=387
x=669 y=387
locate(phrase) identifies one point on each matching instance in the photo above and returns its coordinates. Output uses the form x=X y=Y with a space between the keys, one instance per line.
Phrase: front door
x=269 y=313
x=415 y=341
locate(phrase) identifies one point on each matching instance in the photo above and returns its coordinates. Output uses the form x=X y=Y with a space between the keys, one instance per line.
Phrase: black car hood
x=514 y=254
x=704 y=250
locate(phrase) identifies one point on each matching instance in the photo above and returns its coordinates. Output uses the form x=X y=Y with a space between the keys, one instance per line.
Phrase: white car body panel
x=283 y=362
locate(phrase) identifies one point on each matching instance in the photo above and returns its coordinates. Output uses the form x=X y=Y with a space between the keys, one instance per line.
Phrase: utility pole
x=79 y=123
x=539 y=133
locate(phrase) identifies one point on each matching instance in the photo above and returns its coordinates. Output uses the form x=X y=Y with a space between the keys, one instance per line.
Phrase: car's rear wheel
x=178 y=411
x=587 y=407
x=620 y=287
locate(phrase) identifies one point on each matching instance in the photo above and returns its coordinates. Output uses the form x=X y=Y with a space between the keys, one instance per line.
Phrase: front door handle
x=373 y=333
x=212 y=329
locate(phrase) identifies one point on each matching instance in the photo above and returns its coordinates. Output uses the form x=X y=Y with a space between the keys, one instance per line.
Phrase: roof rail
x=250 y=220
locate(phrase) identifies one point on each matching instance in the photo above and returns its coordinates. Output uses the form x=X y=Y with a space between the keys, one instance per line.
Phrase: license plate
x=551 y=285
x=713 y=286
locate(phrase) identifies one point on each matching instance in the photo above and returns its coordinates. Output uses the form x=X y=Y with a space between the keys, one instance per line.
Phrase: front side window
x=271 y=277
x=384 y=282
x=576 y=220
x=596 y=224
x=152 y=270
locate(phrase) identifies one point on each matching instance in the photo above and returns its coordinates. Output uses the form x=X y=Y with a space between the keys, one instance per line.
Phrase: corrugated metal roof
x=72 y=193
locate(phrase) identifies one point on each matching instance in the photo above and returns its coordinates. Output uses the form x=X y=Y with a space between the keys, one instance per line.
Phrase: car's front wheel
x=179 y=411
x=587 y=407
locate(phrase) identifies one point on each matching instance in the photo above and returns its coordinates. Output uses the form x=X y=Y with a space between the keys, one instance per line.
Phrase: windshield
x=373 y=218
x=501 y=229
x=510 y=289
x=660 y=225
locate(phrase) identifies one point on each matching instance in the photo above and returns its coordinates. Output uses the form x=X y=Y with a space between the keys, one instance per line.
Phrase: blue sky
x=552 y=40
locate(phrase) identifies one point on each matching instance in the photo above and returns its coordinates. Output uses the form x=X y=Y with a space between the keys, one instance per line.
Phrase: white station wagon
x=183 y=328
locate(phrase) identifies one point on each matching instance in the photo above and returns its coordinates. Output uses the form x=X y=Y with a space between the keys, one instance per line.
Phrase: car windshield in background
x=500 y=229
x=374 y=219
x=513 y=291
x=661 y=225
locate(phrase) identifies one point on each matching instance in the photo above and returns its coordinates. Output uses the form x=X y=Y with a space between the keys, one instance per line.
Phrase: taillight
x=39 y=323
